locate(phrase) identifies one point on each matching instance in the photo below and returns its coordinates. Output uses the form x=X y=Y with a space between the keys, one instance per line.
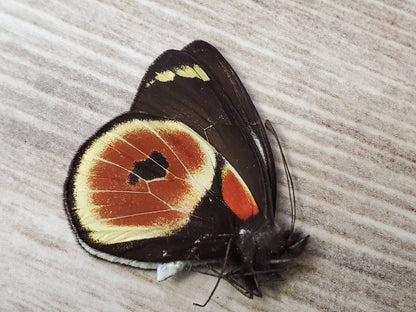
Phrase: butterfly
x=185 y=179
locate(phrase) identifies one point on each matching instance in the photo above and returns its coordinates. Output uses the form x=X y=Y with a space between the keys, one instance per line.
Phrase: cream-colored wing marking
x=114 y=210
x=185 y=71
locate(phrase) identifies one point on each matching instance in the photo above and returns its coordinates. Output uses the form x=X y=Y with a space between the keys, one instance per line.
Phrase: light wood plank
x=337 y=79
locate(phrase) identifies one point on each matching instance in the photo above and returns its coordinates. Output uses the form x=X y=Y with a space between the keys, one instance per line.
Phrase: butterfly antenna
x=221 y=275
x=289 y=180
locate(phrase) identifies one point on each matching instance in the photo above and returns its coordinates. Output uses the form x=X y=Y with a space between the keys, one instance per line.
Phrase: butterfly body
x=186 y=177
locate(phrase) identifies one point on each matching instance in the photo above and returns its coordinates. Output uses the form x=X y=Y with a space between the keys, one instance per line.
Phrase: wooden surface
x=337 y=79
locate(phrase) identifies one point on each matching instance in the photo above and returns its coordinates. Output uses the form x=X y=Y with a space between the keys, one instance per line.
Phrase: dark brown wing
x=212 y=101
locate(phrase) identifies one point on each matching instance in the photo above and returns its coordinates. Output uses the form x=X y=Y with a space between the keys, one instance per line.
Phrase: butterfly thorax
x=265 y=249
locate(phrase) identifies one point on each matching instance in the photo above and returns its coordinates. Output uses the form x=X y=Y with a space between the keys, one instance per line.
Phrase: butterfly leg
x=227 y=253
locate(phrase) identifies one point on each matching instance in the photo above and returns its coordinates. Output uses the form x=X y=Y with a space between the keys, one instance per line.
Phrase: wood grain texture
x=337 y=79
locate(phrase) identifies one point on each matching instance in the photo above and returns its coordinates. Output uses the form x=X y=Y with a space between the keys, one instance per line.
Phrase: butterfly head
x=267 y=249
x=260 y=254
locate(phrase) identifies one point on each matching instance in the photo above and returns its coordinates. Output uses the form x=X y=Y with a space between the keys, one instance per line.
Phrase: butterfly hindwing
x=198 y=87
x=149 y=189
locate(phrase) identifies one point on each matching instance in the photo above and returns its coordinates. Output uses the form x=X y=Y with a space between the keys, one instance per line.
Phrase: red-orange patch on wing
x=237 y=196
x=124 y=203
x=185 y=148
x=171 y=190
x=134 y=209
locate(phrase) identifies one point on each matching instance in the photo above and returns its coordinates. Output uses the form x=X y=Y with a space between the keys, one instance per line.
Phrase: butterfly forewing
x=180 y=85
x=228 y=82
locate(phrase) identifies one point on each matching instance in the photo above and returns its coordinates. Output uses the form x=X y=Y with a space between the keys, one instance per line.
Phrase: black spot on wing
x=153 y=167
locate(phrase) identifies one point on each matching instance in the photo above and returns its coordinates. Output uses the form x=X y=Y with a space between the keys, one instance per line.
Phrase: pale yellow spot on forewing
x=165 y=76
x=201 y=73
x=185 y=71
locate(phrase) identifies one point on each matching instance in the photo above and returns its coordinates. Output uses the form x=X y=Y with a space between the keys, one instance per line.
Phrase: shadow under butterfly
x=185 y=179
